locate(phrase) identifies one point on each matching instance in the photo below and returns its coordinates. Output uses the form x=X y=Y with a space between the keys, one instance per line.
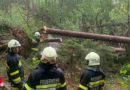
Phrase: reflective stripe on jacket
x=46 y=77
x=92 y=79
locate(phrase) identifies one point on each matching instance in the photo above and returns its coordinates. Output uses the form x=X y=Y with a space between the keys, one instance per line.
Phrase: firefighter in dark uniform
x=14 y=66
x=93 y=77
x=46 y=76
x=35 y=42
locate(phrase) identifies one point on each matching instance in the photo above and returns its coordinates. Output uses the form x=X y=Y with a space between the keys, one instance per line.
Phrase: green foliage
x=118 y=14
x=75 y=50
x=72 y=52
x=17 y=17
x=125 y=82
x=124 y=69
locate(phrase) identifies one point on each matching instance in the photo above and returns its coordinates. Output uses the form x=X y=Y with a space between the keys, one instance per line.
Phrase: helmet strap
x=87 y=62
x=10 y=50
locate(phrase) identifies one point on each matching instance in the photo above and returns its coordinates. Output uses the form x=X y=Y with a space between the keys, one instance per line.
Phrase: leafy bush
x=74 y=51
x=125 y=82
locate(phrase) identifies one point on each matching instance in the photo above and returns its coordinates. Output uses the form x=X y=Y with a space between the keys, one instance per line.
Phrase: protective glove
x=20 y=85
x=43 y=37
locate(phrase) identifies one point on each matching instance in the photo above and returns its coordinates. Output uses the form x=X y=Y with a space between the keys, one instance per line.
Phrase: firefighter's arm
x=34 y=43
x=62 y=81
x=83 y=83
x=103 y=79
x=29 y=85
x=103 y=83
x=14 y=71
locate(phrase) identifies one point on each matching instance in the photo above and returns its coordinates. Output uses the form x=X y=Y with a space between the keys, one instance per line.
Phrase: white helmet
x=48 y=55
x=37 y=34
x=13 y=43
x=93 y=58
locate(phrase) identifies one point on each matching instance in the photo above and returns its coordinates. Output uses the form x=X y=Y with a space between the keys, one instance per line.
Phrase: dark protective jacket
x=92 y=79
x=35 y=43
x=46 y=77
x=15 y=69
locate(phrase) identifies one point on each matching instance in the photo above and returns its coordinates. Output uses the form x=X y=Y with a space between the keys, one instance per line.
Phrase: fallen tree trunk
x=4 y=34
x=111 y=38
x=118 y=49
x=4 y=41
x=53 y=40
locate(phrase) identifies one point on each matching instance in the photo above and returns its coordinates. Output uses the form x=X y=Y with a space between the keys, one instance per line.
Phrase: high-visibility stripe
x=14 y=73
x=13 y=88
x=48 y=86
x=41 y=41
x=63 y=85
x=17 y=80
x=34 y=58
x=36 y=61
x=27 y=87
x=35 y=49
x=34 y=40
x=19 y=64
x=83 y=87
x=97 y=82
x=102 y=88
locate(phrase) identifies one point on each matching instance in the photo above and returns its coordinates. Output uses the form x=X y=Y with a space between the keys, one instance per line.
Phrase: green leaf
x=123 y=71
x=128 y=65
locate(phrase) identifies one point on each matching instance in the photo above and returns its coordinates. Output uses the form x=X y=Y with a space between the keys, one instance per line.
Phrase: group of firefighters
x=47 y=76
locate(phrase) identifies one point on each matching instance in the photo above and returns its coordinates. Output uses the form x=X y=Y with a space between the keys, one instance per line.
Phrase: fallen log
x=4 y=34
x=118 y=49
x=4 y=41
x=103 y=37
x=53 y=40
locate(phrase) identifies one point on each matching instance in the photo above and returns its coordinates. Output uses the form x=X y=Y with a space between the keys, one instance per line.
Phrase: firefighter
x=14 y=66
x=46 y=76
x=35 y=42
x=93 y=77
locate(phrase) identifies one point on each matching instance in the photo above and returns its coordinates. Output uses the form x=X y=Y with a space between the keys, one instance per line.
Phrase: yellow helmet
x=13 y=43
x=48 y=55
x=93 y=58
x=37 y=34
